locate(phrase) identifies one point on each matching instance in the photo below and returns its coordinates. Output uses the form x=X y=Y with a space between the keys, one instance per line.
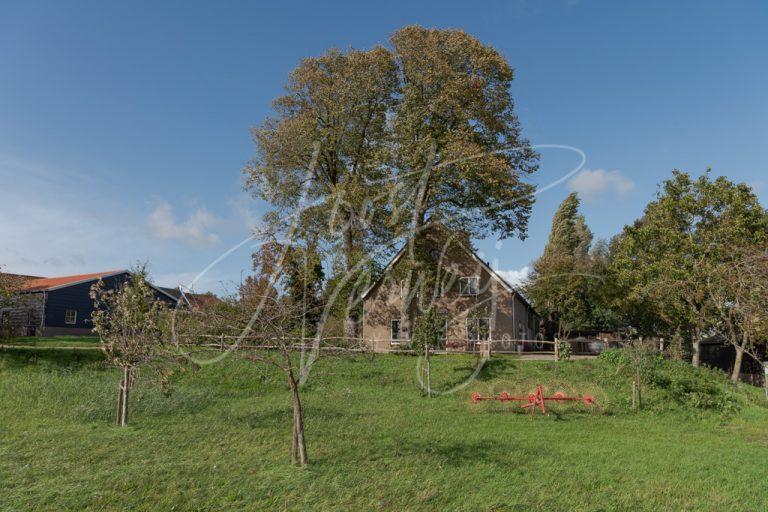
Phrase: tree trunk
x=428 y=370
x=298 y=445
x=122 y=397
x=119 y=410
x=736 y=373
x=350 y=320
x=696 y=349
x=696 y=354
x=350 y=323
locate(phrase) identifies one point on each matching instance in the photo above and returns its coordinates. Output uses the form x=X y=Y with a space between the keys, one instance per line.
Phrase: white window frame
x=394 y=334
x=67 y=320
x=467 y=290
x=476 y=321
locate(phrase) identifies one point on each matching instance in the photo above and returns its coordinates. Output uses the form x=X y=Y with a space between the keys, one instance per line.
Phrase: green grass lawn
x=220 y=440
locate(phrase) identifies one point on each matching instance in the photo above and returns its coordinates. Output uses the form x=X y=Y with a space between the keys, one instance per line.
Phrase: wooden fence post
x=634 y=395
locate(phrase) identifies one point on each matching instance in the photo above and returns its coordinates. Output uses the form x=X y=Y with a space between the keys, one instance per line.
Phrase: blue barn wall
x=77 y=297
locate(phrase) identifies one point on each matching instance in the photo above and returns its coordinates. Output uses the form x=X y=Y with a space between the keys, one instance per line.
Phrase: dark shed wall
x=75 y=297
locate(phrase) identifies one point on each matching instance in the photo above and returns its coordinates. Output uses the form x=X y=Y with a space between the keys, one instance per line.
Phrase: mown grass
x=220 y=440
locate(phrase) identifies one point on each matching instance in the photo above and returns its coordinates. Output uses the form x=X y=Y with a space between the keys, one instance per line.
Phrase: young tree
x=131 y=324
x=427 y=336
x=275 y=346
x=661 y=262
x=261 y=328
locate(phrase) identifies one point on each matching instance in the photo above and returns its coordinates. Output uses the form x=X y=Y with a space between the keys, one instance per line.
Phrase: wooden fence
x=451 y=346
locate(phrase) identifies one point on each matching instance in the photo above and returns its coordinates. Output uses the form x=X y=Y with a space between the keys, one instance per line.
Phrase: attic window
x=469 y=285
x=70 y=317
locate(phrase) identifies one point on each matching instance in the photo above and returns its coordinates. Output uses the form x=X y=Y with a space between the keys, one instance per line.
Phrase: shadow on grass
x=491 y=370
x=61 y=358
x=496 y=367
x=502 y=454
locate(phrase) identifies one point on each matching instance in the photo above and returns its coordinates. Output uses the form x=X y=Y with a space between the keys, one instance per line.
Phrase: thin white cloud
x=591 y=183
x=49 y=227
x=55 y=222
x=195 y=230
x=515 y=277
x=242 y=209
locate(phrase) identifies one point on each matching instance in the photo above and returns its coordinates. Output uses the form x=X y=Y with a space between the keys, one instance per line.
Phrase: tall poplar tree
x=568 y=285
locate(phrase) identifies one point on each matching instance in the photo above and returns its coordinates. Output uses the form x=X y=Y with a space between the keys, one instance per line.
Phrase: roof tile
x=40 y=285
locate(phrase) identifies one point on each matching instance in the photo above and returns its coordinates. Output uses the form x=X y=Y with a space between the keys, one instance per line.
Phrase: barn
x=56 y=306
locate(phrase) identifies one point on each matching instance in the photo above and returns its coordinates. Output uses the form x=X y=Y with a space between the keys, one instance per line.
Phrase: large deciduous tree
x=662 y=262
x=379 y=141
x=320 y=156
x=458 y=146
x=460 y=159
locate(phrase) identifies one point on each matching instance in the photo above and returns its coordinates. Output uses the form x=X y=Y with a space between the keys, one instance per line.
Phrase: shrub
x=672 y=384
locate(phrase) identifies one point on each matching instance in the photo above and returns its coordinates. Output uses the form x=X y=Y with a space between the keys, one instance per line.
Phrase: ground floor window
x=442 y=334
x=70 y=317
x=478 y=329
x=395 y=331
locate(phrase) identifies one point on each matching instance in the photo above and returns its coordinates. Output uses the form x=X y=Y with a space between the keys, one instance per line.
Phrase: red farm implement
x=535 y=400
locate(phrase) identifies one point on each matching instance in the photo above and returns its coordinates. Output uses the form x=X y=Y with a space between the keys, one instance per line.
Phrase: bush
x=564 y=351
x=671 y=384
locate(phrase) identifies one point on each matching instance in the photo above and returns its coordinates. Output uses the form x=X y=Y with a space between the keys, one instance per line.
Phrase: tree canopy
x=568 y=285
x=661 y=262
x=366 y=145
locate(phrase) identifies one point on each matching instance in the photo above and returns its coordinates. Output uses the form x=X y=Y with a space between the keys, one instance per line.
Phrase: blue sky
x=124 y=126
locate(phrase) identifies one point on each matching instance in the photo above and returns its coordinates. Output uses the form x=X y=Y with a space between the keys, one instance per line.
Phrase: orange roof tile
x=48 y=283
